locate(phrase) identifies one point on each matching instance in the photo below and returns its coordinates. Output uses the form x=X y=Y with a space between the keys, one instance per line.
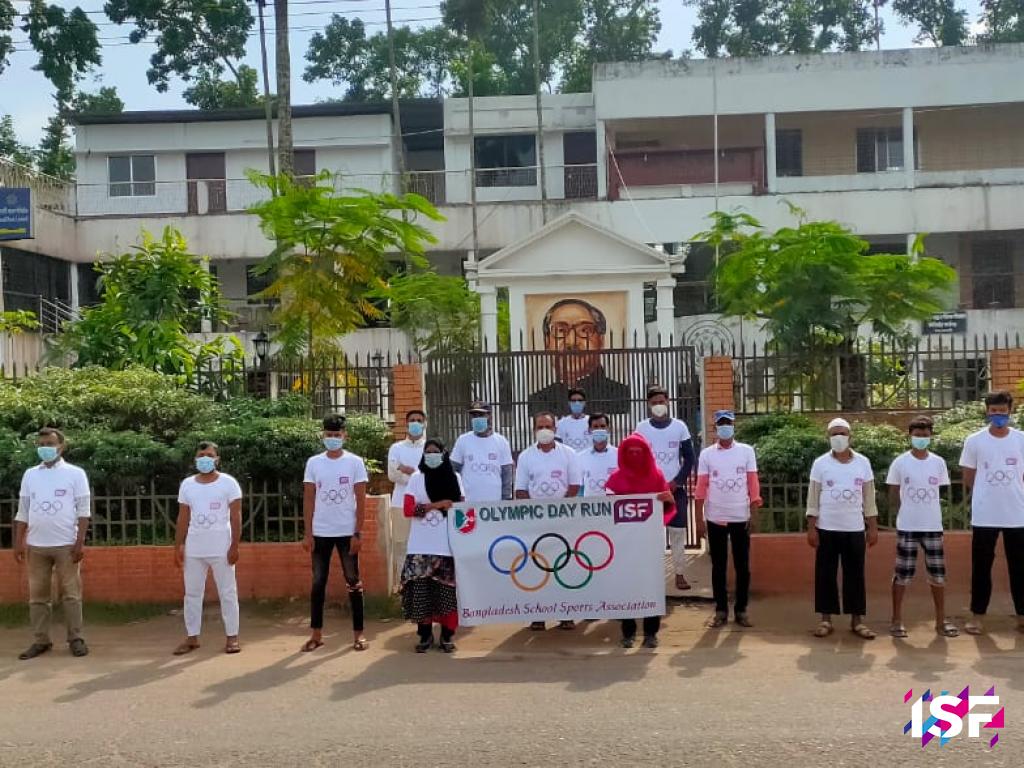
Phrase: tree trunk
x=267 y=106
x=284 y=89
x=472 y=152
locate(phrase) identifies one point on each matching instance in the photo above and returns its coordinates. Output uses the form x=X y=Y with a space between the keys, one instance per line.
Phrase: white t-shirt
x=665 y=443
x=428 y=535
x=595 y=469
x=919 y=481
x=547 y=475
x=481 y=459
x=406 y=453
x=574 y=432
x=728 y=499
x=998 y=497
x=209 y=528
x=52 y=520
x=334 y=513
x=841 y=505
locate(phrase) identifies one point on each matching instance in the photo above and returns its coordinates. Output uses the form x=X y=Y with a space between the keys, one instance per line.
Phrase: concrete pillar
x=666 y=310
x=908 y=146
x=911 y=239
x=408 y=394
x=769 y=153
x=602 y=161
x=1007 y=368
x=489 y=316
x=73 y=286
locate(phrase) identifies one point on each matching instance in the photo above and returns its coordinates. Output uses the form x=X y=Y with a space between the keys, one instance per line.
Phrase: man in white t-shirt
x=915 y=481
x=49 y=531
x=547 y=470
x=727 y=497
x=206 y=538
x=993 y=464
x=403 y=459
x=600 y=460
x=334 y=510
x=574 y=430
x=841 y=506
x=673 y=450
x=483 y=458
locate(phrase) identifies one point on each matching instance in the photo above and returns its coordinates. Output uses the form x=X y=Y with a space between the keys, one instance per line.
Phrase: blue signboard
x=15 y=213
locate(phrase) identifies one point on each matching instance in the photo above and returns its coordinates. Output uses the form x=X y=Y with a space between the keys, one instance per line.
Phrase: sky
x=27 y=96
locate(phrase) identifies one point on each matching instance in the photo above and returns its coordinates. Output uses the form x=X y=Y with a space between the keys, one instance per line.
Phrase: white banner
x=545 y=560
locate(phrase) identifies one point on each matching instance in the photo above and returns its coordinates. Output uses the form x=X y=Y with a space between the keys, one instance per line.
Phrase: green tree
x=616 y=30
x=10 y=147
x=1004 y=20
x=333 y=251
x=105 y=101
x=439 y=313
x=150 y=299
x=939 y=22
x=18 y=321
x=209 y=92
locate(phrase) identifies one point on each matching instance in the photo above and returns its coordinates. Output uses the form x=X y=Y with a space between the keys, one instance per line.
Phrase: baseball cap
x=478 y=406
x=730 y=415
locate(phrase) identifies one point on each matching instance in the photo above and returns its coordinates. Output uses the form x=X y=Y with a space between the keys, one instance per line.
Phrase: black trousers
x=835 y=548
x=651 y=626
x=719 y=536
x=983 y=554
x=323 y=548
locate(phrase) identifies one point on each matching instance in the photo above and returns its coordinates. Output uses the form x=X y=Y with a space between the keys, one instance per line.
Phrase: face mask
x=725 y=431
x=920 y=443
x=576 y=407
x=46 y=453
x=416 y=429
x=433 y=460
x=333 y=443
x=999 y=420
x=545 y=436
x=480 y=424
x=659 y=411
x=206 y=464
x=839 y=443
x=599 y=436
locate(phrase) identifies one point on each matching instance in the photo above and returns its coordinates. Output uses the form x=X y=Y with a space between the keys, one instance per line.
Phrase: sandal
x=629 y=642
x=232 y=646
x=425 y=644
x=185 y=647
x=974 y=628
x=947 y=629
x=36 y=649
x=311 y=645
x=651 y=641
x=567 y=625
x=717 y=621
x=360 y=645
x=898 y=630
x=537 y=626
x=824 y=629
x=863 y=631
x=447 y=646
x=681 y=583
x=743 y=620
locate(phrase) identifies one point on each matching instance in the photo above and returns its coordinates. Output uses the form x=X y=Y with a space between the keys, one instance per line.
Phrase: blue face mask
x=433 y=460
x=599 y=436
x=576 y=407
x=416 y=428
x=480 y=424
x=206 y=464
x=46 y=453
x=333 y=443
x=998 y=420
x=920 y=443
x=725 y=431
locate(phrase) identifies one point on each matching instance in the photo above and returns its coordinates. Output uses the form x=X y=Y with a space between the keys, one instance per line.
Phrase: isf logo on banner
x=943 y=719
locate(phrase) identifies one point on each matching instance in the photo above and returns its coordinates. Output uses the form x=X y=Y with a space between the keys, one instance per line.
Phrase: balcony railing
x=675 y=168
x=580 y=182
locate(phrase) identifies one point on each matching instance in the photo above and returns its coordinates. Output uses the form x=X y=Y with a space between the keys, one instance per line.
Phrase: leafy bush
x=369 y=437
x=790 y=451
x=881 y=443
x=125 y=461
x=752 y=430
x=265 y=450
x=290 y=405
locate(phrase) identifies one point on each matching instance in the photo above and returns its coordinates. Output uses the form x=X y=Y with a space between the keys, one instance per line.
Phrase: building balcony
x=659 y=173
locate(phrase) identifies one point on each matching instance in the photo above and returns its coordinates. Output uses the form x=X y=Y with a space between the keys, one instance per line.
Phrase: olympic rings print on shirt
x=731 y=485
x=922 y=495
x=334 y=496
x=48 y=508
x=483 y=468
x=549 y=489
x=433 y=518
x=205 y=519
x=548 y=568
x=999 y=477
x=845 y=495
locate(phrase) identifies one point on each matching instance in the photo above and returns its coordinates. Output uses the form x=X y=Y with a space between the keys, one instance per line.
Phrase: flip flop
x=185 y=647
x=824 y=629
x=898 y=630
x=311 y=645
x=864 y=632
x=974 y=628
x=360 y=645
x=717 y=621
x=947 y=629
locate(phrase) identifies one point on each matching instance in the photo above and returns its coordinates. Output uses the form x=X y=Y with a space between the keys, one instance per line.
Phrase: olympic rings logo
x=205 y=520
x=48 y=508
x=334 y=496
x=482 y=468
x=922 y=495
x=549 y=569
x=577 y=443
x=846 y=495
x=666 y=457
x=999 y=477
x=547 y=490
x=433 y=518
x=597 y=484
x=730 y=485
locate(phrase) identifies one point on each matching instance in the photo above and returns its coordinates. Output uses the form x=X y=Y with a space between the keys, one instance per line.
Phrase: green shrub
x=261 y=449
x=790 y=451
x=238 y=409
x=752 y=430
x=125 y=461
x=881 y=443
x=370 y=437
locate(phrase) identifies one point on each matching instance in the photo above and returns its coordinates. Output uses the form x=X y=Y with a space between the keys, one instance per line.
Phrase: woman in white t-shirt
x=428 y=576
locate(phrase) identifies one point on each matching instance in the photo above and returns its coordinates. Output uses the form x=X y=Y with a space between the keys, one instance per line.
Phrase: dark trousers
x=983 y=554
x=719 y=536
x=323 y=548
x=847 y=548
x=651 y=626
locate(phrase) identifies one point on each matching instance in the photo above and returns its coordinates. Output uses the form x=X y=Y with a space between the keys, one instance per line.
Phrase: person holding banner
x=638 y=472
x=483 y=459
x=673 y=450
x=547 y=470
x=428 y=576
x=600 y=460
x=574 y=429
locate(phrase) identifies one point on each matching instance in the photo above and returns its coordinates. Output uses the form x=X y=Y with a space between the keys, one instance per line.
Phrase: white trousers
x=677 y=543
x=195 y=586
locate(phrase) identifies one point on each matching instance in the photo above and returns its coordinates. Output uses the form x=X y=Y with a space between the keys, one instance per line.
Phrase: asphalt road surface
x=768 y=696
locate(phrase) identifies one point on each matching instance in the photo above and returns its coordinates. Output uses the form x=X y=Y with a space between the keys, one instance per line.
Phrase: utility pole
x=267 y=107
x=540 y=113
x=396 y=116
x=472 y=153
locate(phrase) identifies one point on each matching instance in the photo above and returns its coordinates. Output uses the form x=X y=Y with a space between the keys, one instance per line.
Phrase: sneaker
x=538 y=626
x=629 y=642
x=447 y=646
x=681 y=583
x=78 y=647
x=425 y=644
x=650 y=641
x=567 y=625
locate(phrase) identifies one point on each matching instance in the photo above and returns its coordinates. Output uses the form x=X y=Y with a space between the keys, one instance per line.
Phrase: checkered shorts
x=907 y=543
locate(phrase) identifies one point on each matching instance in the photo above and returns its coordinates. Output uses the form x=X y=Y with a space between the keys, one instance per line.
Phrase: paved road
x=763 y=697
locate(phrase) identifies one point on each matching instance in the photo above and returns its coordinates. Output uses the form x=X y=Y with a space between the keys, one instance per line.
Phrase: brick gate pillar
x=1007 y=370
x=408 y=378
x=718 y=390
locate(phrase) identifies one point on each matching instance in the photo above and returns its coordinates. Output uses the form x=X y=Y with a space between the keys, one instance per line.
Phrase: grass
x=103 y=614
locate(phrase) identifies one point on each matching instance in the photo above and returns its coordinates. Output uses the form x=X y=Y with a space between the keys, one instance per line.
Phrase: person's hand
x=355 y=545
x=232 y=554
x=666 y=497
x=443 y=506
x=19 y=553
x=702 y=528
x=406 y=470
x=756 y=504
x=77 y=553
x=179 y=555
x=307 y=542
x=872 y=536
x=812 y=535
x=673 y=486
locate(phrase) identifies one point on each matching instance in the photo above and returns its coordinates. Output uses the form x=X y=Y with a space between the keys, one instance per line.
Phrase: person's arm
x=396 y=474
x=574 y=476
x=410 y=508
x=700 y=495
x=813 y=511
x=236 y=529
x=507 y=481
x=894 y=499
x=969 y=464
x=360 y=517
x=870 y=512
x=308 y=507
x=688 y=459
x=969 y=475
x=455 y=457
x=21 y=526
x=83 y=510
x=180 y=532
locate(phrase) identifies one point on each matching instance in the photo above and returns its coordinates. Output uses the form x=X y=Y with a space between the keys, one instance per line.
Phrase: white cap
x=837 y=422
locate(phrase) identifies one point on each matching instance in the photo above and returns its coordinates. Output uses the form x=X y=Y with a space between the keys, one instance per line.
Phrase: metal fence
x=932 y=373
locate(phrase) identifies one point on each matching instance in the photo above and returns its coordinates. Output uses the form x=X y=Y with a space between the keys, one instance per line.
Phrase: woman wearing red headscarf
x=638 y=473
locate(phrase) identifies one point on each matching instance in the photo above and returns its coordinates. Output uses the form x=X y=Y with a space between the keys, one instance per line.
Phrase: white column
x=602 y=161
x=666 y=310
x=489 y=316
x=73 y=286
x=769 y=152
x=908 y=145
x=911 y=237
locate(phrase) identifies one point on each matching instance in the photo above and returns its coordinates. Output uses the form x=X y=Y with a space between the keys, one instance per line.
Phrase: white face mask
x=545 y=436
x=659 y=411
x=839 y=443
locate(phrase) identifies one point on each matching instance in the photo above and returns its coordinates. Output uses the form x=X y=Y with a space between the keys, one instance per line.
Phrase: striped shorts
x=907 y=543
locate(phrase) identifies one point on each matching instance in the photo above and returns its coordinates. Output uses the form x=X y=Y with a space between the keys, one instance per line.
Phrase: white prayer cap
x=837 y=422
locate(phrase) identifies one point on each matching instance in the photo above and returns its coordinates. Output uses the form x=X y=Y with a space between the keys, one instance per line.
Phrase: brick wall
x=718 y=389
x=408 y=379
x=1007 y=370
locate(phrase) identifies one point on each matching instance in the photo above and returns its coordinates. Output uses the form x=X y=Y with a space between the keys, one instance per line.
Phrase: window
x=694 y=291
x=789 y=152
x=304 y=165
x=992 y=274
x=132 y=175
x=880 y=149
x=256 y=284
x=506 y=161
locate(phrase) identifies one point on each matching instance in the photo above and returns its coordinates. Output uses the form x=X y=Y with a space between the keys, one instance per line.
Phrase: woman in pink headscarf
x=638 y=473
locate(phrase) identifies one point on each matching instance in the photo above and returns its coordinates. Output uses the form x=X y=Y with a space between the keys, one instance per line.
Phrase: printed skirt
x=428 y=587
